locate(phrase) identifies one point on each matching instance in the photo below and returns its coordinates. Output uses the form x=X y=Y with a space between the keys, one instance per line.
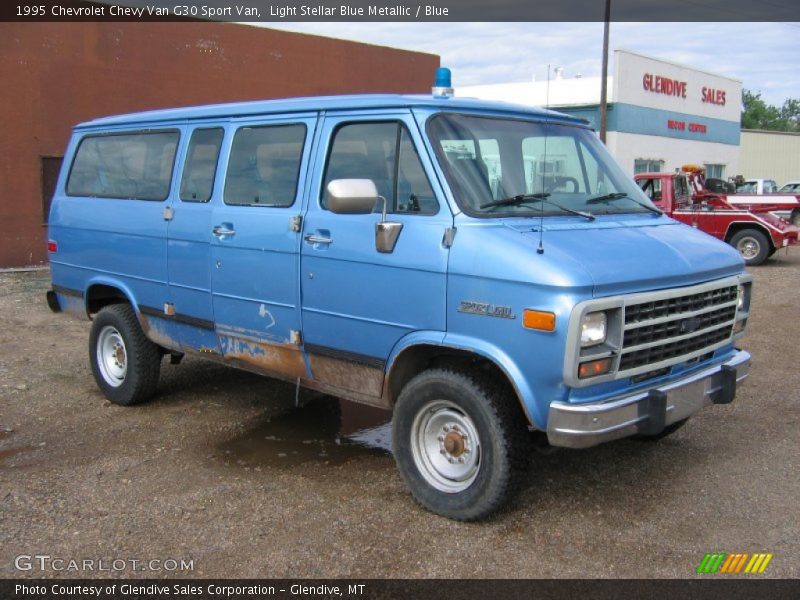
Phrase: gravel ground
x=211 y=472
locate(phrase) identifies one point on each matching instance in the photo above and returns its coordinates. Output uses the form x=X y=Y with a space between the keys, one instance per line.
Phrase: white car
x=790 y=187
x=757 y=186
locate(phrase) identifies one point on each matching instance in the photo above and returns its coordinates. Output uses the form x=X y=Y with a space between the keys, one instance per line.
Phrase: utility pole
x=604 y=76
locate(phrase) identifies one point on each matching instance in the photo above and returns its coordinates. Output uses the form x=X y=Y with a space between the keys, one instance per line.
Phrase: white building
x=661 y=115
x=770 y=155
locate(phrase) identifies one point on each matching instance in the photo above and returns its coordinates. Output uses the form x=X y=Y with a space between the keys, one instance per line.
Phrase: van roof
x=317 y=103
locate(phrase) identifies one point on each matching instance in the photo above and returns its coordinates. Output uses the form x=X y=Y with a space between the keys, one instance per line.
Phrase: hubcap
x=446 y=446
x=748 y=247
x=112 y=358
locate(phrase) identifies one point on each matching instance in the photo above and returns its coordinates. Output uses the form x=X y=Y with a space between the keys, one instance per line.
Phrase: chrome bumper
x=648 y=412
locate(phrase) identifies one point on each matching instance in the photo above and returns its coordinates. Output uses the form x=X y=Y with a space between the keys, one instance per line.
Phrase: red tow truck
x=751 y=229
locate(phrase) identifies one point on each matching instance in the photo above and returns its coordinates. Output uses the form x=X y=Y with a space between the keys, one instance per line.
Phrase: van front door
x=359 y=302
x=255 y=245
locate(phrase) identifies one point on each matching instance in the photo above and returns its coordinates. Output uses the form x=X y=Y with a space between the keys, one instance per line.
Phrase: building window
x=714 y=171
x=645 y=165
x=51 y=166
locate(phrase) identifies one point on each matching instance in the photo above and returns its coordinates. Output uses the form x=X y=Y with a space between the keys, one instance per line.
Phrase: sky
x=764 y=56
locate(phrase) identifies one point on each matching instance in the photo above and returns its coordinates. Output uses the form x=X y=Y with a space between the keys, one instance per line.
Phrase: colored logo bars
x=722 y=562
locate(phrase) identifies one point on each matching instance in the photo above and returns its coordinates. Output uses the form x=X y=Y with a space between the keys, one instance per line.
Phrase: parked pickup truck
x=763 y=194
x=757 y=186
x=751 y=229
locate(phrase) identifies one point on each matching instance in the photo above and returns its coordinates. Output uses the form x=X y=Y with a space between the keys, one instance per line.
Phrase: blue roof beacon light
x=442 y=86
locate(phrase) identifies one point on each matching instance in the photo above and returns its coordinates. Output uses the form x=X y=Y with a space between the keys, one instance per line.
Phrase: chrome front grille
x=666 y=330
x=662 y=331
x=657 y=354
x=665 y=307
x=649 y=333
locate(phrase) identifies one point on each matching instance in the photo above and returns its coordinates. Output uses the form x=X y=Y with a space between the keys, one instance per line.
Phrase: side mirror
x=352 y=196
x=358 y=197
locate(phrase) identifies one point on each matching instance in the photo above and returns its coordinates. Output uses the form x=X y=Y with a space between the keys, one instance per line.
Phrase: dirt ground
x=222 y=470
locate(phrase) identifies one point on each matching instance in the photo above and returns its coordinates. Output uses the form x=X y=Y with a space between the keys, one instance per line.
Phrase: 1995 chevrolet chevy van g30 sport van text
x=482 y=269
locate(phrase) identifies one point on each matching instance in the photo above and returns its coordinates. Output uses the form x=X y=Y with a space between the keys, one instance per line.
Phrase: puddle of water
x=326 y=430
x=9 y=452
x=7 y=432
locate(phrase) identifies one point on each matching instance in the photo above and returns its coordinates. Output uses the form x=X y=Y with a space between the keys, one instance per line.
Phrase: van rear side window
x=134 y=166
x=264 y=165
x=197 y=182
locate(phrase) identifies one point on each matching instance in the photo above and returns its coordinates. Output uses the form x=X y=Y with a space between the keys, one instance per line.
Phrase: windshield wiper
x=606 y=198
x=516 y=200
x=538 y=197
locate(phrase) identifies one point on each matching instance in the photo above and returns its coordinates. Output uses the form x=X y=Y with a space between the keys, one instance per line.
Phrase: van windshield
x=555 y=167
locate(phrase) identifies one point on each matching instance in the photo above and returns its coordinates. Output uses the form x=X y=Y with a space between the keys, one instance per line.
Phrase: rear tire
x=125 y=364
x=460 y=443
x=752 y=245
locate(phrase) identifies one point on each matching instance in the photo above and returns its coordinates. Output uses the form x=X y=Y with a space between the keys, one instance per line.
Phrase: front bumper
x=648 y=412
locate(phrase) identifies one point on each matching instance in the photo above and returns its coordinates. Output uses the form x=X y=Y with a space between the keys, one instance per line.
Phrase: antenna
x=540 y=249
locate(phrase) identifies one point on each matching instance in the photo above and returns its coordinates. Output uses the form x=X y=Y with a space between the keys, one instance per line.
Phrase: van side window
x=264 y=165
x=134 y=166
x=384 y=153
x=197 y=182
x=414 y=193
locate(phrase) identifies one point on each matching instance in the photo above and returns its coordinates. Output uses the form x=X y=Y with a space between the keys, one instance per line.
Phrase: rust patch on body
x=154 y=330
x=347 y=375
x=281 y=359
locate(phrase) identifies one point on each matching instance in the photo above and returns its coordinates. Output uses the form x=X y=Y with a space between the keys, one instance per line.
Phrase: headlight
x=593 y=329
x=740 y=296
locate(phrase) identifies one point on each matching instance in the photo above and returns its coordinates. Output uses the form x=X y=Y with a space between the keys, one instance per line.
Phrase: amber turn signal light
x=594 y=368
x=538 y=319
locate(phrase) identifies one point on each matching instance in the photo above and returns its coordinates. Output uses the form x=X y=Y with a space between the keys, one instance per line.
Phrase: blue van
x=482 y=269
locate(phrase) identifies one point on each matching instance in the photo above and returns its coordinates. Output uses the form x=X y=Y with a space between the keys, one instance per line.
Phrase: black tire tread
x=506 y=412
x=144 y=357
x=762 y=239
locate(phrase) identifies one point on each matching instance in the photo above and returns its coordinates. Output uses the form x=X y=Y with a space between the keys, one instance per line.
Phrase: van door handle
x=317 y=239
x=223 y=230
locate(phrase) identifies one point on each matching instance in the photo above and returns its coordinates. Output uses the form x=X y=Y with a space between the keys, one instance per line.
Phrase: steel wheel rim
x=748 y=247
x=112 y=357
x=445 y=446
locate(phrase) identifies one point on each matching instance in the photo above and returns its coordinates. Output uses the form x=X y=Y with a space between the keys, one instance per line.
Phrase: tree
x=757 y=114
x=790 y=112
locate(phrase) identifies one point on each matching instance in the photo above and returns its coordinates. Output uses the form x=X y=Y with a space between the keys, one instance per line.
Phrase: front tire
x=752 y=245
x=459 y=440
x=125 y=364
